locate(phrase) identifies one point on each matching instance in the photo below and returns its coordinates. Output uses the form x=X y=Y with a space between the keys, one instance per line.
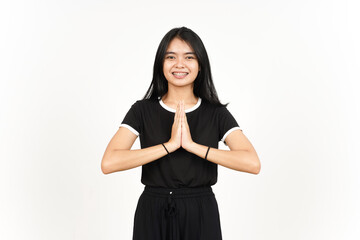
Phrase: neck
x=174 y=96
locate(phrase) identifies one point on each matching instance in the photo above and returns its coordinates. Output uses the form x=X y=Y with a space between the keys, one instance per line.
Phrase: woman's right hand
x=175 y=140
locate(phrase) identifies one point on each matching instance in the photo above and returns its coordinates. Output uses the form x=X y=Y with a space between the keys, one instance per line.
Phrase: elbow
x=256 y=168
x=109 y=166
x=106 y=163
x=256 y=165
x=104 y=168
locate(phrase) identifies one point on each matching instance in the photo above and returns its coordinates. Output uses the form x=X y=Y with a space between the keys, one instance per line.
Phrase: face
x=181 y=66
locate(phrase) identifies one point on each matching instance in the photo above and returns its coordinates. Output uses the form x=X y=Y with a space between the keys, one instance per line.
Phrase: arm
x=241 y=157
x=119 y=157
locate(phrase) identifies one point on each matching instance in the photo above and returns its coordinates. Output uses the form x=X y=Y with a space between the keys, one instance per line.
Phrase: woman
x=180 y=122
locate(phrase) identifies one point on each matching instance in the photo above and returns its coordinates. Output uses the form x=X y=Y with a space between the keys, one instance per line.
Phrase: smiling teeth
x=180 y=74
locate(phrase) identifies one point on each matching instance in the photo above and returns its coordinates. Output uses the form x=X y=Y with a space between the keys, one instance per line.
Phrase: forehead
x=179 y=46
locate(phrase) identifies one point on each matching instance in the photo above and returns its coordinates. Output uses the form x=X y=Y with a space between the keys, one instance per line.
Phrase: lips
x=180 y=74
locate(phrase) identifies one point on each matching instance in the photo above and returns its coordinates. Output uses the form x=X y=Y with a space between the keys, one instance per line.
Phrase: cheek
x=195 y=67
x=166 y=68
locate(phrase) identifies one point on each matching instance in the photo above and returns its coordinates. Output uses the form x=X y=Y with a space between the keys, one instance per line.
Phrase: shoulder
x=208 y=106
x=222 y=113
x=221 y=109
x=216 y=109
x=210 y=109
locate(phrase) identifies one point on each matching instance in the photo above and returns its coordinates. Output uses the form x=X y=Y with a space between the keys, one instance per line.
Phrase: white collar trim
x=174 y=110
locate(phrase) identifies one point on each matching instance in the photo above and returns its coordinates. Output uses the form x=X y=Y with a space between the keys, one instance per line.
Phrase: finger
x=184 y=114
x=177 y=112
x=185 y=118
x=176 y=115
x=180 y=113
x=183 y=109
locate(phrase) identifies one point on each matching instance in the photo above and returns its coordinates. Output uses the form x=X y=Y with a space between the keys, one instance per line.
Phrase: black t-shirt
x=152 y=122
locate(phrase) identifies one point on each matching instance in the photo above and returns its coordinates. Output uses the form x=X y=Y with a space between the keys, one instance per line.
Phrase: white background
x=70 y=71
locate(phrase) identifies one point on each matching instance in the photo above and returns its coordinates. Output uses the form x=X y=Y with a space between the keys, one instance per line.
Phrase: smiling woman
x=180 y=63
x=180 y=122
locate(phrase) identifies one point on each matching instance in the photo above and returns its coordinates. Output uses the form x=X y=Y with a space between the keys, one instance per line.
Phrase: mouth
x=181 y=74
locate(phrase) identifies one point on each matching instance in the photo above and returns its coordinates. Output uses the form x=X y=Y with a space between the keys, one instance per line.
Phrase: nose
x=180 y=62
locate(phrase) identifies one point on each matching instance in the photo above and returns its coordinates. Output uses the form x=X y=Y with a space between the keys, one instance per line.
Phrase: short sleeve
x=132 y=119
x=227 y=124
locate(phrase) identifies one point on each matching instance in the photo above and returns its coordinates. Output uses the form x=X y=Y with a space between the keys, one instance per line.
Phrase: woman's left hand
x=186 y=140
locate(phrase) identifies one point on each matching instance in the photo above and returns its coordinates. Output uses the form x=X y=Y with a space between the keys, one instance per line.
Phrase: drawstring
x=171 y=207
x=170 y=213
x=171 y=232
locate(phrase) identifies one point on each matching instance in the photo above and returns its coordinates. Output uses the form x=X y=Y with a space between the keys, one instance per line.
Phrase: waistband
x=170 y=225
x=178 y=192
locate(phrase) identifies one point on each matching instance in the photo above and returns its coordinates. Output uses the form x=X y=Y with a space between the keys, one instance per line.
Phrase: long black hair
x=203 y=84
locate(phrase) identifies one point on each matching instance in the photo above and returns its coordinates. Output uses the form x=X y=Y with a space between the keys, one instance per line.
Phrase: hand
x=175 y=141
x=186 y=140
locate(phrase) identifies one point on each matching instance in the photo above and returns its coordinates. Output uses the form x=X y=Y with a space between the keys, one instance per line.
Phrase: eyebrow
x=175 y=53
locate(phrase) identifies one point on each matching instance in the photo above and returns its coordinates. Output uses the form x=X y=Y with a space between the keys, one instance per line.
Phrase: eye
x=190 y=57
x=170 y=57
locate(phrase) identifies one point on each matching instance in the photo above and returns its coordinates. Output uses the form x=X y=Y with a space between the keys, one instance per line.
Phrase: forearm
x=120 y=159
x=240 y=160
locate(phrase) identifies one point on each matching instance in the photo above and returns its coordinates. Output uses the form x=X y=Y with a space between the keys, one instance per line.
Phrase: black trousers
x=177 y=214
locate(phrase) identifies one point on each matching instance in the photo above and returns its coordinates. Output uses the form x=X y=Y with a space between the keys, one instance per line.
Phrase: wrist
x=165 y=147
x=191 y=147
x=193 y=144
x=170 y=147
